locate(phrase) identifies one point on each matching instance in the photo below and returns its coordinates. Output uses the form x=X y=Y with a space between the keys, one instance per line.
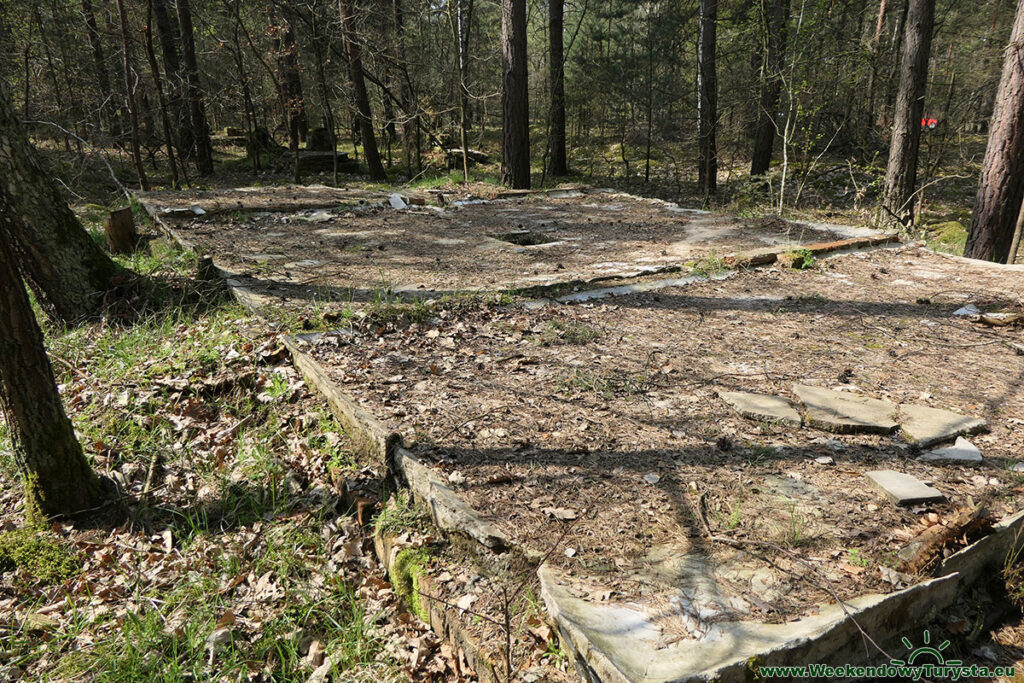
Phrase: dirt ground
x=605 y=415
x=324 y=244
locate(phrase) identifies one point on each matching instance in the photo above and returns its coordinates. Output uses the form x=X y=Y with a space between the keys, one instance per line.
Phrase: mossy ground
x=949 y=237
x=37 y=556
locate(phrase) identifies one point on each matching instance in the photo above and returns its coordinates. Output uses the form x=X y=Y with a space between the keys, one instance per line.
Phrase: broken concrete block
x=903 y=489
x=761 y=407
x=967 y=311
x=397 y=202
x=926 y=426
x=963 y=452
x=843 y=412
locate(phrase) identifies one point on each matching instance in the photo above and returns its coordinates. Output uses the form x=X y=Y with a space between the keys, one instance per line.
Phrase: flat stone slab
x=963 y=452
x=761 y=407
x=846 y=413
x=926 y=426
x=903 y=489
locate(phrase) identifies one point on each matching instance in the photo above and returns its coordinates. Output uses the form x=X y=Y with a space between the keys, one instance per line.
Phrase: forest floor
x=234 y=553
x=241 y=553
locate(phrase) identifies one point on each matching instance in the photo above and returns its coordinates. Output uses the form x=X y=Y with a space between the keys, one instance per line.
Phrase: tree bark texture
x=772 y=59
x=876 y=44
x=901 y=175
x=556 y=15
x=361 y=98
x=515 y=103
x=1001 y=187
x=707 y=100
x=119 y=227
x=409 y=121
x=165 y=118
x=66 y=269
x=203 y=146
x=55 y=473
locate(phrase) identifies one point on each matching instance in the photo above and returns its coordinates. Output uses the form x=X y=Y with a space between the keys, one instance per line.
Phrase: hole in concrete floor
x=524 y=238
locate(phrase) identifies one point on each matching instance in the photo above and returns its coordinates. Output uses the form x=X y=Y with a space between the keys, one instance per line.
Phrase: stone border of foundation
x=833 y=632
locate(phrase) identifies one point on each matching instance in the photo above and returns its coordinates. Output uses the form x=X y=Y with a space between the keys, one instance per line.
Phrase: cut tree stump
x=120 y=228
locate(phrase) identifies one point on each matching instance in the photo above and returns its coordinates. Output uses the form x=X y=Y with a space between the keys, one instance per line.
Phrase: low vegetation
x=228 y=554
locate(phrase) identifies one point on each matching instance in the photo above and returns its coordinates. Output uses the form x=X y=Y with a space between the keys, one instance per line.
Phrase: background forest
x=820 y=76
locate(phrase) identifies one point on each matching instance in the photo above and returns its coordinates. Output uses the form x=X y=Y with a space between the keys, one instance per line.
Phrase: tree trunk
x=291 y=83
x=66 y=269
x=359 y=94
x=1001 y=188
x=55 y=473
x=772 y=60
x=463 y=19
x=119 y=226
x=559 y=160
x=321 y=45
x=165 y=118
x=901 y=176
x=167 y=30
x=515 y=103
x=876 y=43
x=410 y=131
x=203 y=147
x=129 y=95
x=107 y=116
x=707 y=100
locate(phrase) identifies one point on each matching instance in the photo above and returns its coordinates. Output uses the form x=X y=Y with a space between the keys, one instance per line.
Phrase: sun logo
x=926 y=650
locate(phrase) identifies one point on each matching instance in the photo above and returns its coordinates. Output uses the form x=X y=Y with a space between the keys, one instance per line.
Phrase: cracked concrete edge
x=285 y=205
x=769 y=255
x=832 y=636
x=154 y=215
x=254 y=301
x=383 y=448
x=447 y=509
x=882 y=617
x=208 y=267
x=370 y=439
x=990 y=265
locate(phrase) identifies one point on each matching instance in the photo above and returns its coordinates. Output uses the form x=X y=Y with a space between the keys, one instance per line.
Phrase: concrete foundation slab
x=845 y=413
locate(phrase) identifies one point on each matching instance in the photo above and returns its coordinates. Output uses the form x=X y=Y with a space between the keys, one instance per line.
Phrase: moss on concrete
x=405 y=571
